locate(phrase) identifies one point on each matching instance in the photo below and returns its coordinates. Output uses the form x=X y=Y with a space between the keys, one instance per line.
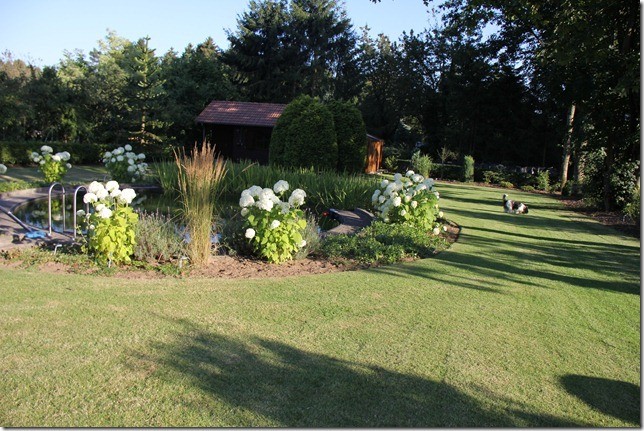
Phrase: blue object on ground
x=35 y=234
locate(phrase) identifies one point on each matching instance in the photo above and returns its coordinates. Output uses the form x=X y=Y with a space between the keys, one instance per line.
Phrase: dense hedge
x=304 y=136
x=17 y=152
x=351 y=135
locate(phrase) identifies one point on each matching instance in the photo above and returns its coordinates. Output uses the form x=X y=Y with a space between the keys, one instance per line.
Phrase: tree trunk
x=578 y=169
x=567 y=149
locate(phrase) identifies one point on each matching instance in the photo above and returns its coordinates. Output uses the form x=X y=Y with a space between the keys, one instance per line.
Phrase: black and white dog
x=513 y=207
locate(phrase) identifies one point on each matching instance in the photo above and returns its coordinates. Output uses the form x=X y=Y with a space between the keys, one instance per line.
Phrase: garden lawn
x=529 y=320
x=76 y=175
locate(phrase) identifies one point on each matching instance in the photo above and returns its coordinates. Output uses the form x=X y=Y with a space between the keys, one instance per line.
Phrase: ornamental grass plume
x=199 y=179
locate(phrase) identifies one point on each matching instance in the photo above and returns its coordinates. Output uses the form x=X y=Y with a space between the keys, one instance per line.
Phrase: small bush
x=273 y=227
x=543 y=181
x=53 y=166
x=468 y=169
x=506 y=184
x=311 y=237
x=158 y=239
x=382 y=243
x=528 y=188
x=422 y=164
x=124 y=165
x=632 y=209
x=304 y=136
x=390 y=163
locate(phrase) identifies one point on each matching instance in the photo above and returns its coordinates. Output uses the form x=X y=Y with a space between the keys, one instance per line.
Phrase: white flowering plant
x=409 y=198
x=274 y=226
x=3 y=169
x=124 y=165
x=111 y=226
x=53 y=166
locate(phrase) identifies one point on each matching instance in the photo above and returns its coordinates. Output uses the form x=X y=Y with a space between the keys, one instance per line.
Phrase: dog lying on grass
x=513 y=207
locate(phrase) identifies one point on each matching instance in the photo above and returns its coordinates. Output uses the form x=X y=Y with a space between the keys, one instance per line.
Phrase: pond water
x=35 y=212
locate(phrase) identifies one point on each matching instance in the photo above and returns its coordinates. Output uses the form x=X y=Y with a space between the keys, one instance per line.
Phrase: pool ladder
x=76 y=190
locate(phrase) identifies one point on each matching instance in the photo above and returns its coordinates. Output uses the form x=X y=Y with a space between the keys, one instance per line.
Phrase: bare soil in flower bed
x=220 y=267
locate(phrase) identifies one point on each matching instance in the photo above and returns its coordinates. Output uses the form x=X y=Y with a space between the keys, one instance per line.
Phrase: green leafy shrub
x=421 y=164
x=304 y=136
x=167 y=174
x=9 y=186
x=111 y=228
x=53 y=166
x=382 y=243
x=351 y=136
x=158 y=239
x=506 y=184
x=124 y=165
x=632 y=209
x=543 y=181
x=467 y=174
x=19 y=152
x=408 y=199
x=391 y=163
x=311 y=237
x=274 y=227
x=528 y=188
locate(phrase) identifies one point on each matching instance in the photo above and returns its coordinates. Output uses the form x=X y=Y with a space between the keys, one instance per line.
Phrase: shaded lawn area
x=76 y=175
x=526 y=321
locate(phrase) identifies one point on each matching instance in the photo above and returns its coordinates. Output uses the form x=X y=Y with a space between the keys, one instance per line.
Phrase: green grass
x=526 y=321
x=76 y=175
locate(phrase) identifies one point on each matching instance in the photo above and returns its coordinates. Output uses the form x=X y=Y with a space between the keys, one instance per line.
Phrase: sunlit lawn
x=526 y=321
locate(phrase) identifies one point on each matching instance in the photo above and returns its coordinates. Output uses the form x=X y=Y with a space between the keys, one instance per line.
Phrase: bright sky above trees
x=40 y=30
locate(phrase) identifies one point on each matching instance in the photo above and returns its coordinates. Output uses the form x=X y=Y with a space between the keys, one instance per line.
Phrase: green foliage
x=53 y=166
x=311 y=237
x=304 y=136
x=633 y=207
x=325 y=189
x=19 y=152
x=112 y=239
x=158 y=239
x=124 y=165
x=166 y=173
x=10 y=186
x=506 y=184
x=543 y=181
x=382 y=243
x=421 y=164
x=274 y=227
x=409 y=199
x=391 y=163
x=351 y=136
x=528 y=188
x=467 y=174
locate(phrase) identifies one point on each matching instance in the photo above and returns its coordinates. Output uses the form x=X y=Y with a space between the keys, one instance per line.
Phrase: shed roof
x=241 y=113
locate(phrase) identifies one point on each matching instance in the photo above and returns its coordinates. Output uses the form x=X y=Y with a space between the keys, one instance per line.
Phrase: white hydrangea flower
x=250 y=233
x=413 y=204
x=46 y=149
x=99 y=207
x=115 y=193
x=303 y=243
x=80 y=213
x=68 y=165
x=417 y=178
x=111 y=186
x=131 y=169
x=285 y=207
x=275 y=224
x=102 y=194
x=141 y=156
x=403 y=212
x=396 y=201
x=90 y=198
x=127 y=196
x=246 y=200
x=409 y=173
x=297 y=198
x=280 y=187
x=119 y=158
x=244 y=212
x=107 y=155
x=444 y=228
x=381 y=199
x=128 y=147
x=3 y=168
x=436 y=231
x=254 y=191
x=56 y=158
x=440 y=214
x=42 y=162
x=105 y=213
x=264 y=204
x=130 y=162
x=397 y=177
x=384 y=183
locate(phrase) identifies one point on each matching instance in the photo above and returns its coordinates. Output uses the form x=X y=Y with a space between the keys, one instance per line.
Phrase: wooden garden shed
x=242 y=130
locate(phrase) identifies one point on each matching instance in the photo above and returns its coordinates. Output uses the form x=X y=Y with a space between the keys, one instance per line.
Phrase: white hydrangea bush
x=53 y=166
x=409 y=198
x=124 y=165
x=111 y=225
x=274 y=224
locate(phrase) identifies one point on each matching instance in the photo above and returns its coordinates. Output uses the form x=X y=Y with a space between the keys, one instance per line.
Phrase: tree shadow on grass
x=291 y=387
x=612 y=397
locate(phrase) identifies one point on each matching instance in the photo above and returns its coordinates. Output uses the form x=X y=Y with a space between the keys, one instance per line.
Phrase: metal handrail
x=49 y=206
x=76 y=190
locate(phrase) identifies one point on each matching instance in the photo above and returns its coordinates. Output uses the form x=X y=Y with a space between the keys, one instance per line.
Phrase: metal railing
x=49 y=206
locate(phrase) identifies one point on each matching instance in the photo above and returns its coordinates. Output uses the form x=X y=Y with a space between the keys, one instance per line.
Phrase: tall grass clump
x=167 y=175
x=200 y=179
x=324 y=189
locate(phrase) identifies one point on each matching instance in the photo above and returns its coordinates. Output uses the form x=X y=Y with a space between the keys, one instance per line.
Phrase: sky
x=39 y=31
